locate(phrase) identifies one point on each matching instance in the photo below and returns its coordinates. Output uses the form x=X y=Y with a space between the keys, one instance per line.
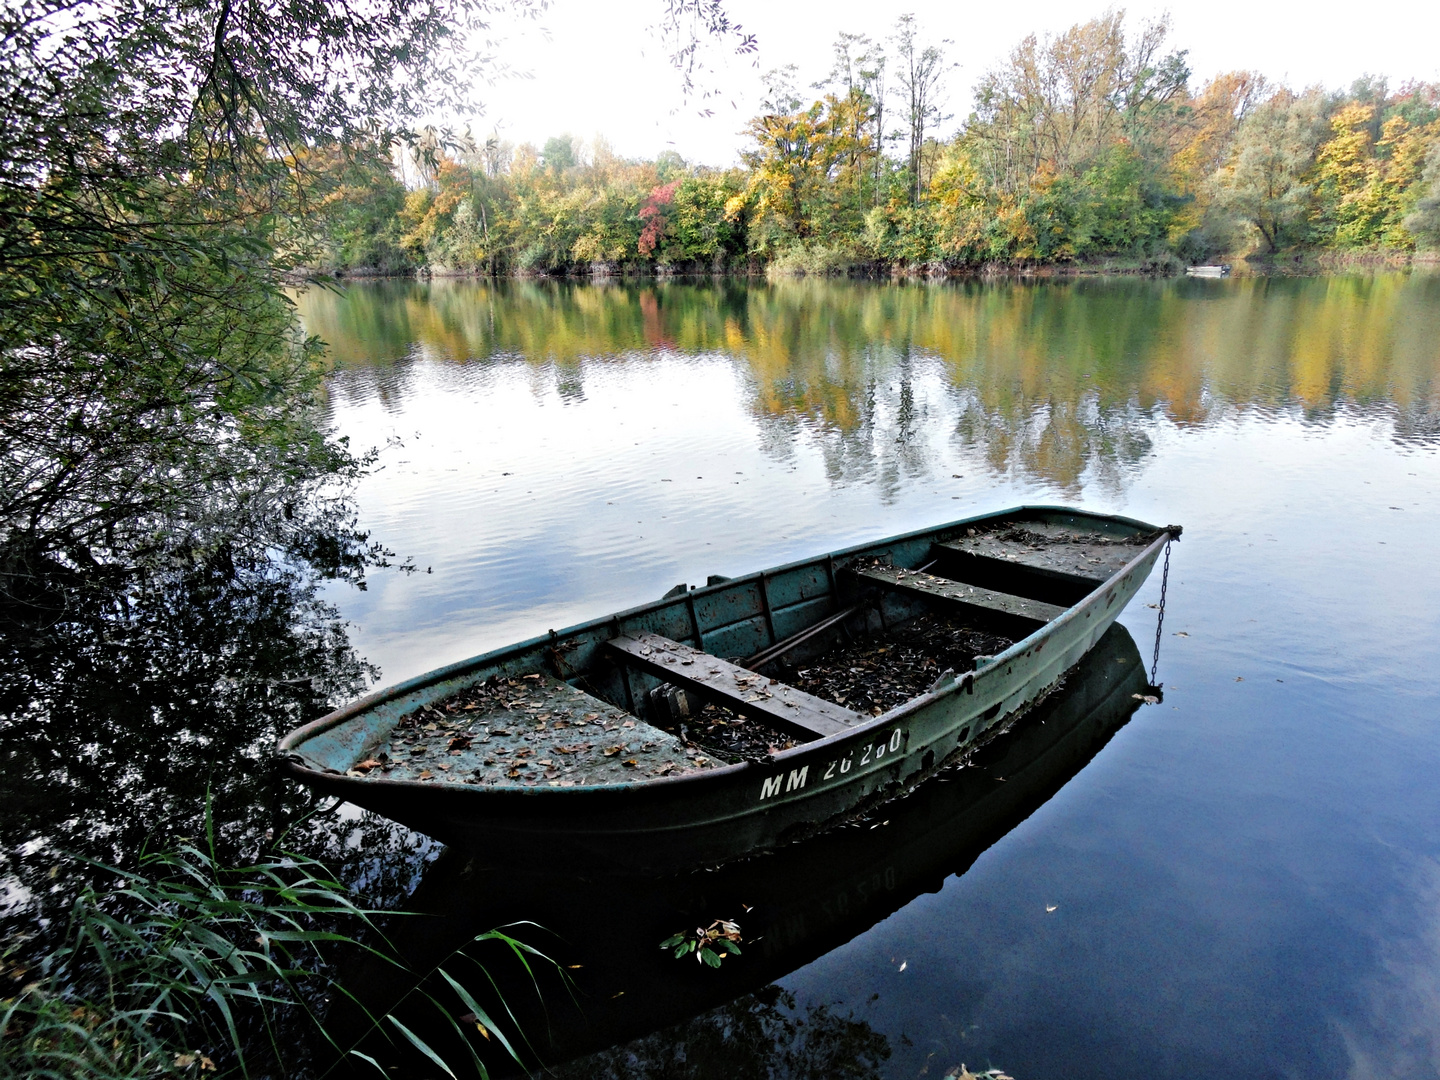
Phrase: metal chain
x=1160 y=621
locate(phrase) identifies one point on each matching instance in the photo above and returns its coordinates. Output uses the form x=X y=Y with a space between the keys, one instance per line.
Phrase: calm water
x=1245 y=877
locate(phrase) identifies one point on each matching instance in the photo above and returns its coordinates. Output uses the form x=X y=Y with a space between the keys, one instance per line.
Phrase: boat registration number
x=796 y=779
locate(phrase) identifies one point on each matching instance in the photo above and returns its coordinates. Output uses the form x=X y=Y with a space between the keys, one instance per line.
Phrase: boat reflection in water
x=793 y=905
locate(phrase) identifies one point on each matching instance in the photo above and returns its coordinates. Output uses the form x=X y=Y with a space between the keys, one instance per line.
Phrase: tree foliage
x=1091 y=144
x=155 y=166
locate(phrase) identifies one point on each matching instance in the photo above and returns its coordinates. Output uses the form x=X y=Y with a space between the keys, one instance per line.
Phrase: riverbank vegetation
x=170 y=504
x=1099 y=146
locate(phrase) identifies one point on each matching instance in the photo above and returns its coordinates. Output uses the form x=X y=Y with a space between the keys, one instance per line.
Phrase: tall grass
x=186 y=968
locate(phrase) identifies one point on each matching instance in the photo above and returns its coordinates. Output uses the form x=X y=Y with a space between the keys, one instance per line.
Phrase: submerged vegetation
x=1096 y=146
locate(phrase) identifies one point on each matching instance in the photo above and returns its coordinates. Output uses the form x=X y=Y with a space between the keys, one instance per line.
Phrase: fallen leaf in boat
x=426 y=774
x=611 y=751
x=367 y=765
x=417 y=750
x=628 y=723
x=530 y=676
x=513 y=773
x=544 y=761
x=630 y=763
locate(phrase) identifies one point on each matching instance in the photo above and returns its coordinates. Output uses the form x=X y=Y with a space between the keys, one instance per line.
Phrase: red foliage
x=653 y=215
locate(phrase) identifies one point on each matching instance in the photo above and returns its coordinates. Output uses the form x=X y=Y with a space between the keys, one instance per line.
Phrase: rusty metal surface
x=942 y=588
x=745 y=691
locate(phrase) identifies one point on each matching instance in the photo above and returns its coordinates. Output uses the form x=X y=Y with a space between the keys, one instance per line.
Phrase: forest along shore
x=1144 y=168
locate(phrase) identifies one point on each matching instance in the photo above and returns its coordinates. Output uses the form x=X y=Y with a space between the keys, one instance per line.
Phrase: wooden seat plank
x=747 y=692
x=914 y=581
x=1089 y=562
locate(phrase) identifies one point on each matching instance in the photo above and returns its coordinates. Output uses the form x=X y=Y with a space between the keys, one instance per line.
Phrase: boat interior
x=771 y=660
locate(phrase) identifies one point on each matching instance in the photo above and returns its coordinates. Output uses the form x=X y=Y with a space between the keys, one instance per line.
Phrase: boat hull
x=713 y=815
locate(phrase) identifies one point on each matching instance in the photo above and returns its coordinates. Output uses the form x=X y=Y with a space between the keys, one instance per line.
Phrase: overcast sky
x=598 y=69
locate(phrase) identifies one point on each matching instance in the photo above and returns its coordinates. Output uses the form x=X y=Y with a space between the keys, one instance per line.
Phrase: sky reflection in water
x=1248 y=874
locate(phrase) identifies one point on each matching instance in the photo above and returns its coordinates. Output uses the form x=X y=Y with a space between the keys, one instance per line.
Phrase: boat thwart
x=674 y=733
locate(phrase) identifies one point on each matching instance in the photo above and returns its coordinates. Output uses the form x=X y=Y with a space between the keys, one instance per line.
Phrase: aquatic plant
x=185 y=967
x=710 y=944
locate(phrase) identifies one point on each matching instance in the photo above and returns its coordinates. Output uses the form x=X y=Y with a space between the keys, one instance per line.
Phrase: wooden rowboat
x=794 y=905
x=590 y=743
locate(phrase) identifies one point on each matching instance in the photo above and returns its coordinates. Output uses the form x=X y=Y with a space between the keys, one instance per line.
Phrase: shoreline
x=1298 y=264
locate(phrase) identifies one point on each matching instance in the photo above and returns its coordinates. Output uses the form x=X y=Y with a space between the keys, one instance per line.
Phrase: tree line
x=1096 y=144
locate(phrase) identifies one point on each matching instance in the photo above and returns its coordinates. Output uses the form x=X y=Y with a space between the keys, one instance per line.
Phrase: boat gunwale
x=289 y=743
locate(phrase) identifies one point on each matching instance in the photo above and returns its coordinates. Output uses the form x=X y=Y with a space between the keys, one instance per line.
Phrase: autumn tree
x=1266 y=183
x=919 y=72
x=1059 y=102
x=1423 y=221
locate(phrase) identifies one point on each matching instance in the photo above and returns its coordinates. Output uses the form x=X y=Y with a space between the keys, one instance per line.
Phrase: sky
x=599 y=69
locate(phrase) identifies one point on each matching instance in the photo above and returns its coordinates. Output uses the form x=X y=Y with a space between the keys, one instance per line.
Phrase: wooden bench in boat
x=746 y=692
x=958 y=592
x=1092 y=561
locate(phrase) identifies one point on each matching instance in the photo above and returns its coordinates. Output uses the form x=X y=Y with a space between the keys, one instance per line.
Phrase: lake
x=1243 y=877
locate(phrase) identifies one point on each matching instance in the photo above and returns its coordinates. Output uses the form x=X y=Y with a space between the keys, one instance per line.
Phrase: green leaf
x=424 y=1047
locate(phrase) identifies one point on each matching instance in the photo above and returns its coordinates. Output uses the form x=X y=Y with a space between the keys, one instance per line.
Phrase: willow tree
x=1266 y=183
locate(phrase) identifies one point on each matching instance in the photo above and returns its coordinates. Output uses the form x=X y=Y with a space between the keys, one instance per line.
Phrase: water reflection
x=794 y=905
x=128 y=710
x=1050 y=380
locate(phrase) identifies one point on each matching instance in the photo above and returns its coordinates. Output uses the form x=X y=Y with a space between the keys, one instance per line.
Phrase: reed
x=185 y=967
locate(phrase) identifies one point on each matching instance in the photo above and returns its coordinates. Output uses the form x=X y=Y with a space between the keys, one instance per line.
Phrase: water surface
x=1246 y=876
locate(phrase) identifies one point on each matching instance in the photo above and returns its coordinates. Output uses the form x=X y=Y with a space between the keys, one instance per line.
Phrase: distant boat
x=599 y=741
x=1220 y=270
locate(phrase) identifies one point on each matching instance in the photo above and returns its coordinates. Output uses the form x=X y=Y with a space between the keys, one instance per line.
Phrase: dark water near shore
x=1244 y=877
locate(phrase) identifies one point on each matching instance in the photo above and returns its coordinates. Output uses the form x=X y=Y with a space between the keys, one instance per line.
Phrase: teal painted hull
x=714 y=814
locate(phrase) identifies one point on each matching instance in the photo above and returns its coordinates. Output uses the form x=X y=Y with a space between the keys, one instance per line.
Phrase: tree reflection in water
x=760 y=1035
x=128 y=702
x=1049 y=380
